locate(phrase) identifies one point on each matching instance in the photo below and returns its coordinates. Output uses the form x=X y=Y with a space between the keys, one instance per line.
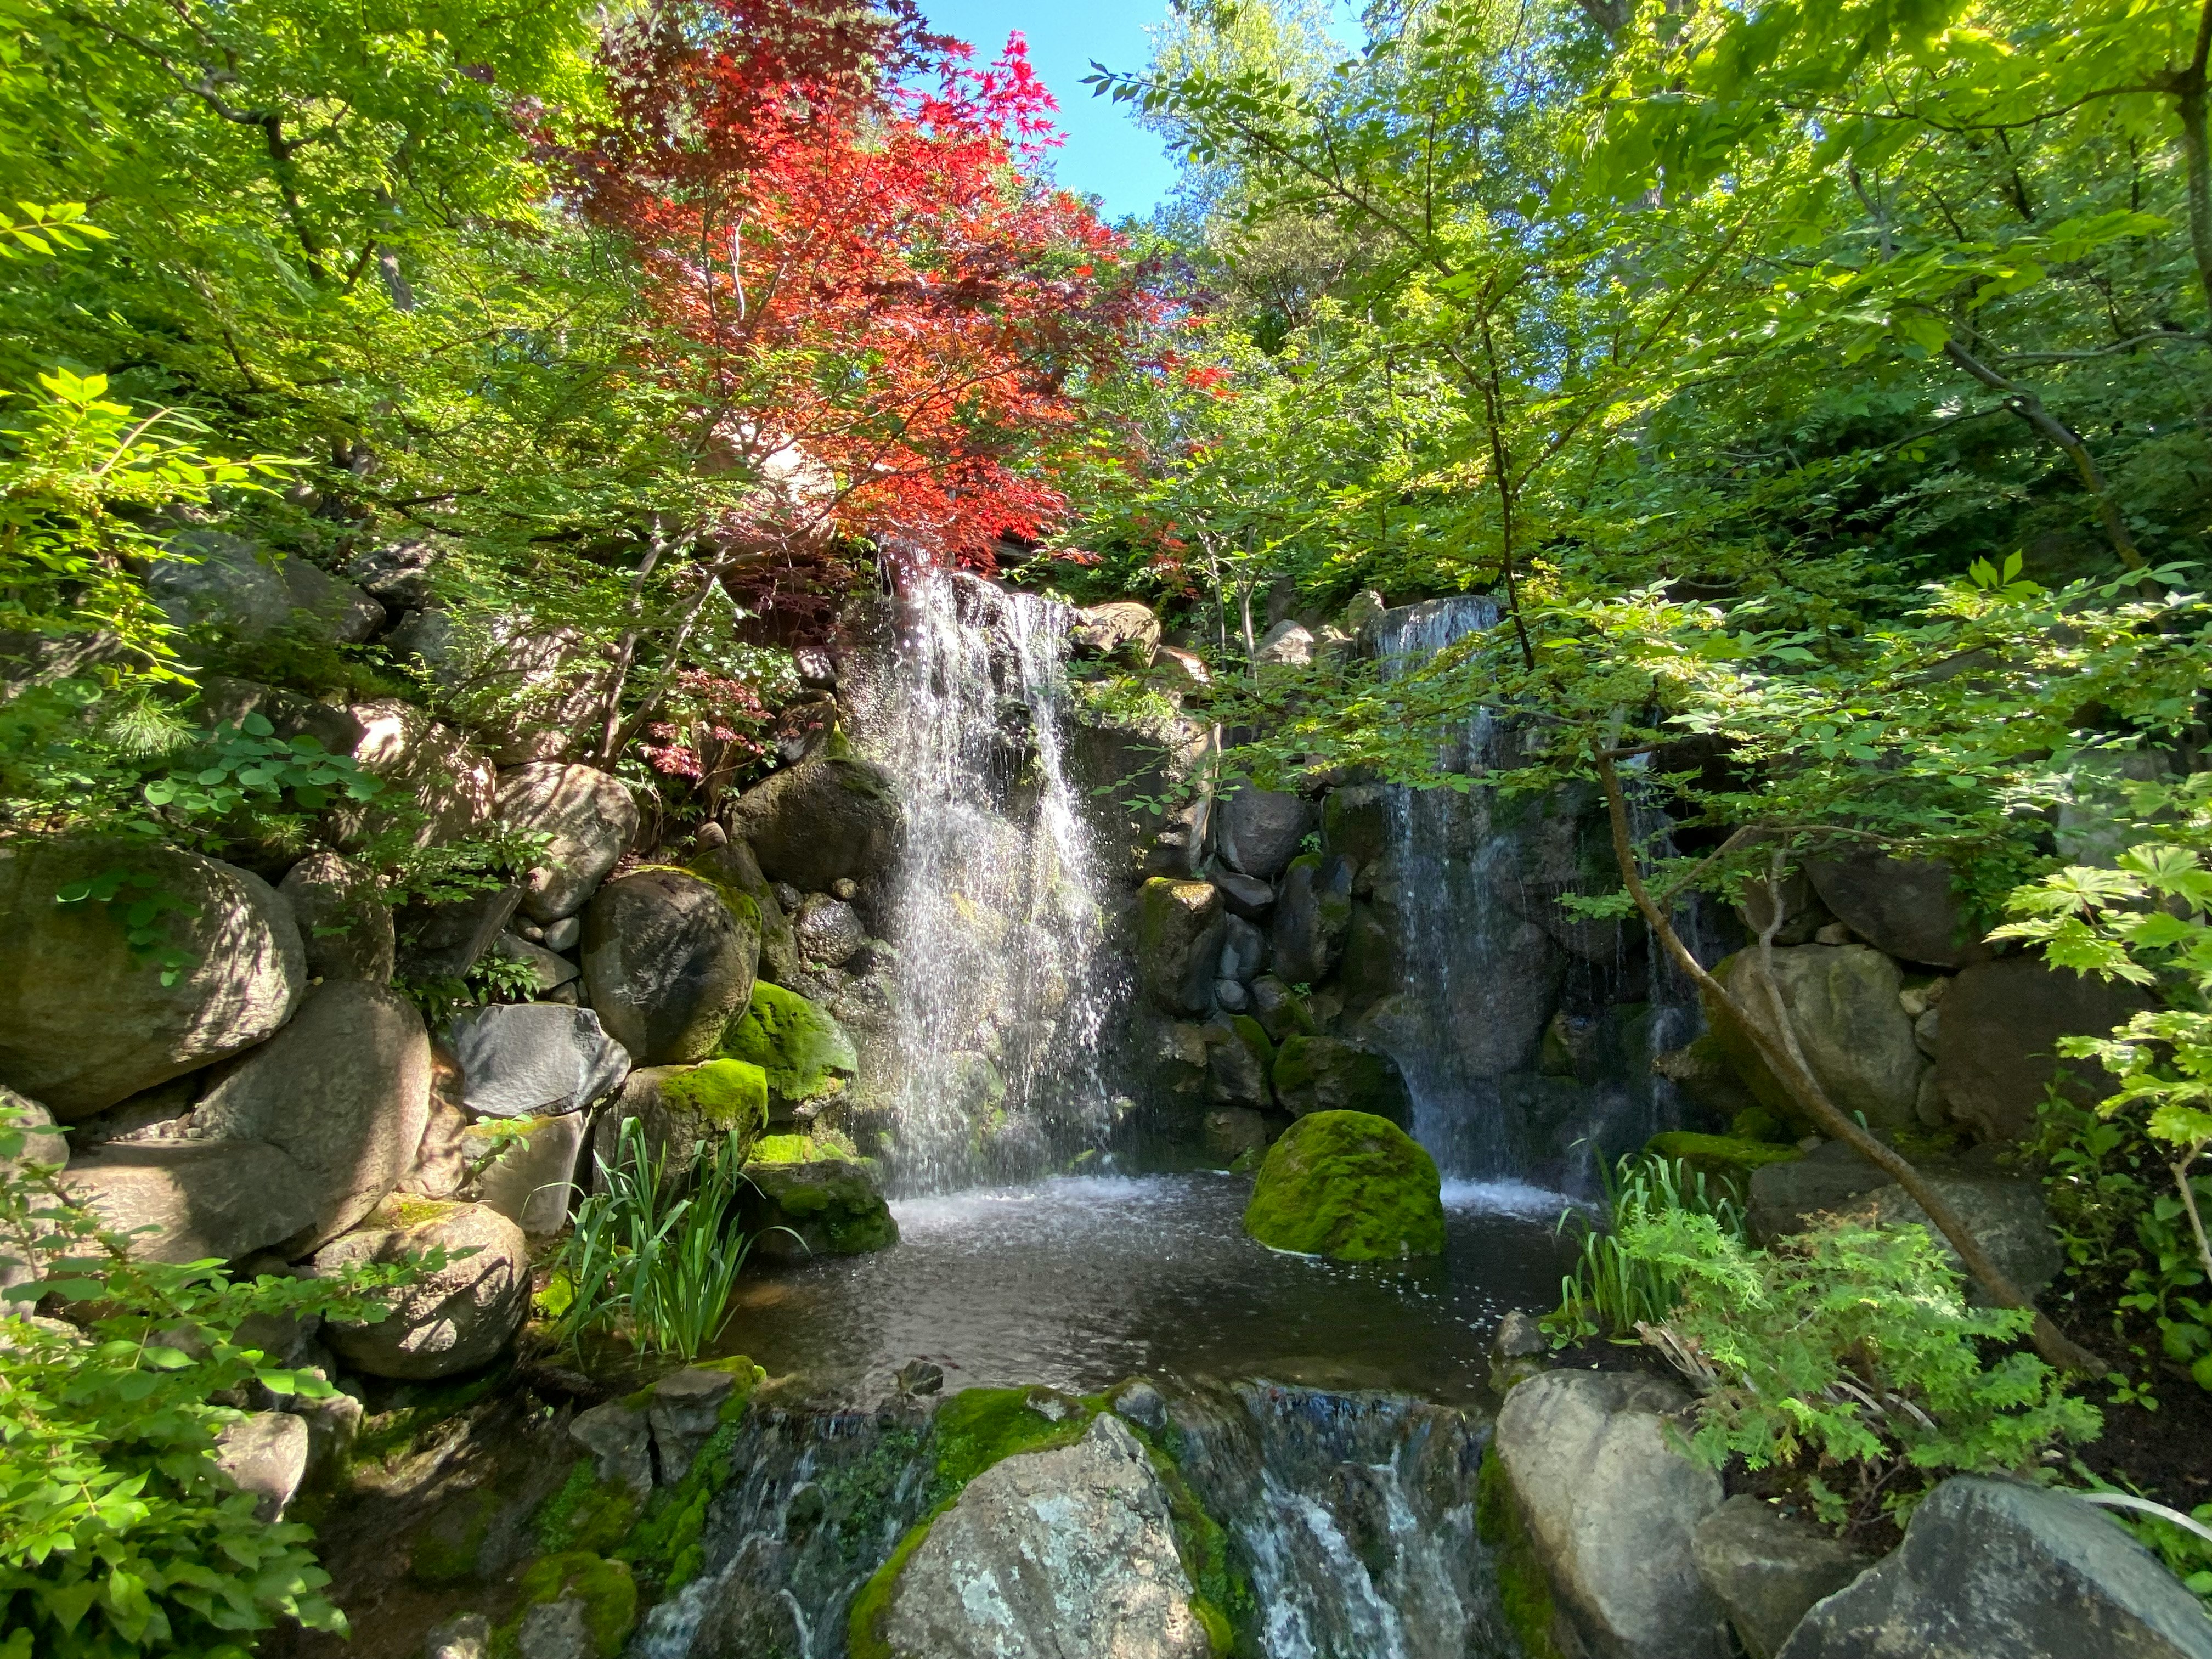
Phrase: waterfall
x=1004 y=981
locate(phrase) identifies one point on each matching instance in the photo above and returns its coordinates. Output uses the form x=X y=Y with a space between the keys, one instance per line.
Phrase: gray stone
x=1287 y=644
x=231 y=585
x=1237 y=1068
x=1329 y=1074
x=343 y=1091
x=535 y=1060
x=1245 y=895
x=43 y=1143
x=466 y=1635
x=1767 y=1569
x=224 y=701
x=548 y=970
x=820 y=821
x=1141 y=1403
x=84 y=1024
x=200 y=1200
x=1243 y=951
x=1061 y=1554
x=1611 y=1508
x=1312 y=918
x=530 y=1180
x=1906 y=906
x=1259 y=831
x=394 y=573
x=438 y=788
x=1998 y=1040
x=684 y=1411
x=563 y=935
x=1802 y=916
x=736 y=873
x=1844 y=1008
x=345 y=927
x=1179 y=934
x=830 y=930
x=1518 y=1336
x=556 y=1630
x=668 y=964
x=1124 y=625
x=453 y=1320
x=1232 y=996
x=264 y=1453
x=824 y=1206
x=1281 y=1010
x=920 y=1377
x=1992 y=1567
x=591 y=819
x=2006 y=1212
x=620 y=1440
x=1232 y=1131
x=1357 y=821
x=446 y=938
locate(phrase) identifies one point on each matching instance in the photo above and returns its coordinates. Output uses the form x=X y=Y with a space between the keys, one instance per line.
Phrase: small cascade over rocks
x=1004 y=982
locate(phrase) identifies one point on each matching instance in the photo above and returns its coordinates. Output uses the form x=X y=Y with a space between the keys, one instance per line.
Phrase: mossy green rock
x=830 y=1208
x=605 y=1588
x=1350 y=1185
x=1731 y=1158
x=804 y=1051
x=1326 y=1074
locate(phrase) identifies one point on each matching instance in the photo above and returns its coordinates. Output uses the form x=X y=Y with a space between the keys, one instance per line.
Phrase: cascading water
x=1004 y=981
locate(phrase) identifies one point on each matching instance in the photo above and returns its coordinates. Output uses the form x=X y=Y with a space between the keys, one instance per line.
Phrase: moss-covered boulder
x=802 y=1049
x=804 y=1205
x=1328 y=1075
x=562 y=1597
x=1724 y=1158
x=733 y=871
x=1350 y=1185
x=1179 y=933
x=684 y=1108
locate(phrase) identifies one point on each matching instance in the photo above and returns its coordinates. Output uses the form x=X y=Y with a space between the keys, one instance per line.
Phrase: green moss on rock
x=725 y=1094
x=1720 y=1158
x=447 y=1548
x=1524 y=1588
x=585 y=1514
x=606 y=1588
x=804 y=1051
x=824 y=1206
x=1326 y=1074
x=1349 y=1185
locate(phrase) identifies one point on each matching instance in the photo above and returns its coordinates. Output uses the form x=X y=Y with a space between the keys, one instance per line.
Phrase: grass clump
x=1612 y=1288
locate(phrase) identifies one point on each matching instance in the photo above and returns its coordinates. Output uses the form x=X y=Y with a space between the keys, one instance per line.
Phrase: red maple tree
x=883 y=317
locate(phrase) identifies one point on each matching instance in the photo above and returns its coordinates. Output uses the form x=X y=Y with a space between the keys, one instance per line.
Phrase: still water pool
x=1080 y=1281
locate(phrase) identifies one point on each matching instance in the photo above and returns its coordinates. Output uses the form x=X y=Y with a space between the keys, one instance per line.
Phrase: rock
x=395 y=574
x=557 y=1629
x=1230 y=996
x=264 y=1453
x=1372 y=966
x=1998 y=1038
x=224 y=701
x=1245 y=895
x=1259 y=831
x=1178 y=847
x=591 y=819
x=1243 y=952
x=548 y=970
x=345 y=929
x=1230 y=1132
x=919 y=1376
x=805 y=1052
x=437 y=788
x=529 y=1180
x=1126 y=625
x=1239 y=1058
x=1906 y=906
x=832 y=1206
x=43 y=1143
x=1141 y=1403
x=563 y=935
x=1356 y=823
x=453 y=1320
x=1731 y=1158
x=1287 y=644
x=1766 y=1568
x=1991 y=1566
x=1843 y=1005
x=620 y=1441
x=1348 y=1185
x=535 y=1059
x=820 y=821
x=1518 y=1336
x=1311 y=918
x=200 y=1199
x=667 y=963
x=1612 y=1510
x=1179 y=934
x=736 y=874
x=685 y=1109
x=1328 y=1075
x=1803 y=914
x=684 y=1411
x=465 y=1636
x=2006 y=1212
x=343 y=1092
x=83 y=1024
x=830 y=930
x=228 y=583
x=1062 y=1554
x=445 y=939
x=1281 y=1011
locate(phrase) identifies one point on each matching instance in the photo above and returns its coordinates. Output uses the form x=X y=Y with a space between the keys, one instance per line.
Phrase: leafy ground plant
x=1612 y=1290
x=118 y=1534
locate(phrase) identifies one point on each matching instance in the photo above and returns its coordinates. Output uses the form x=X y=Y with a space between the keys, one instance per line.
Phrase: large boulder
x=1348 y=1185
x=1258 y=831
x=805 y=1206
x=802 y=1049
x=535 y=1060
x=1767 y=1568
x=1179 y=934
x=1118 y=625
x=1328 y=1075
x=1996 y=1048
x=1357 y=821
x=1856 y=1038
x=668 y=964
x=197 y=1200
x=821 y=822
x=443 y=938
x=2005 y=1210
x=1068 y=1553
x=736 y=874
x=591 y=819
x=1239 y=1058
x=343 y=1091
x=395 y=572
x=1995 y=1567
x=1612 y=1510
x=85 y=1022
x=345 y=927
x=437 y=788
x=43 y=1143
x=685 y=1109
x=222 y=581
x=1906 y=907
x=526 y=1167
x=264 y=1453
x=1312 y=917
x=830 y=930
x=453 y=1320
x=224 y=701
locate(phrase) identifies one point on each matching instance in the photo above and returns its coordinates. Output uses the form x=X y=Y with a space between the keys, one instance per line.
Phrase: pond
x=1080 y=1281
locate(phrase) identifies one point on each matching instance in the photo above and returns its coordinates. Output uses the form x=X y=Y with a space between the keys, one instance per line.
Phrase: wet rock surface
x=669 y=965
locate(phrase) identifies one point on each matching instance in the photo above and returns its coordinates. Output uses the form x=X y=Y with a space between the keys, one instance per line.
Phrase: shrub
x=1612 y=1289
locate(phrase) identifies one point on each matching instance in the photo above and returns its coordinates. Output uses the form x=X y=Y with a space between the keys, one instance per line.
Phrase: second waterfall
x=1004 y=982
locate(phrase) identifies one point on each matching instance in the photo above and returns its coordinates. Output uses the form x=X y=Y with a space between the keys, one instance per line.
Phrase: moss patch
x=804 y=1051
x=1349 y=1185
x=585 y=1515
x=445 y=1550
x=1721 y=1157
x=821 y=1148
x=831 y=1205
x=1325 y=1074
x=606 y=1588
x=665 y=1546
x=1524 y=1589
x=728 y=1094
